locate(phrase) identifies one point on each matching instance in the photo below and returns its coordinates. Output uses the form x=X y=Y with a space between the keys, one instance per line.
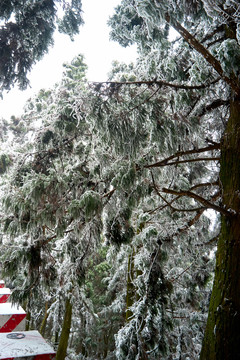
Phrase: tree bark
x=222 y=335
x=44 y=321
x=63 y=342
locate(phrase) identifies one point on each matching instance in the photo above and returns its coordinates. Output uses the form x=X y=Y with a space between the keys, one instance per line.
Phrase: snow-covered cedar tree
x=52 y=205
x=26 y=33
x=73 y=183
x=94 y=170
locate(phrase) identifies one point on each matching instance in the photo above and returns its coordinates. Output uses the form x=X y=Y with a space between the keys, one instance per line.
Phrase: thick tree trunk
x=63 y=342
x=222 y=335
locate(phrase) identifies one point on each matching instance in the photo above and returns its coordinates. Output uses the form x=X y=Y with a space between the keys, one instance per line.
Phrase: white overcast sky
x=93 y=42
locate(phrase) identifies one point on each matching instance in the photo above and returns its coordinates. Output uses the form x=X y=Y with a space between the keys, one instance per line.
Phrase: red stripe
x=12 y=323
x=37 y=357
x=4 y=298
x=45 y=357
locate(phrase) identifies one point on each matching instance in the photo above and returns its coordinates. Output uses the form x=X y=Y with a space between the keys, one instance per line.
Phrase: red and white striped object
x=12 y=318
x=28 y=345
x=2 y=283
x=4 y=294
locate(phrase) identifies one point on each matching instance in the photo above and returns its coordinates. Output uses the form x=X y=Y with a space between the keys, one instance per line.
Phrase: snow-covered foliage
x=106 y=204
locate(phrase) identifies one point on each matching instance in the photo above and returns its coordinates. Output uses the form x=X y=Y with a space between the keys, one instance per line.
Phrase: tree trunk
x=44 y=321
x=222 y=335
x=130 y=287
x=28 y=316
x=63 y=342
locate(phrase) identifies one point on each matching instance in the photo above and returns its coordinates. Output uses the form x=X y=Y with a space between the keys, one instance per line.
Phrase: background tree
x=26 y=32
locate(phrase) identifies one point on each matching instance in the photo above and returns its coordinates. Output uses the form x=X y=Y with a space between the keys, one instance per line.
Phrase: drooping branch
x=191 y=40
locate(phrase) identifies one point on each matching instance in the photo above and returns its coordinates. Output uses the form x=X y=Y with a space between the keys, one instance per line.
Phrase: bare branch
x=160 y=83
x=195 y=218
x=183 y=162
x=170 y=203
x=209 y=36
x=214 y=183
x=191 y=222
x=109 y=193
x=200 y=199
x=143 y=102
x=178 y=154
x=215 y=41
x=209 y=242
x=214 y=105
x=181 y=273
